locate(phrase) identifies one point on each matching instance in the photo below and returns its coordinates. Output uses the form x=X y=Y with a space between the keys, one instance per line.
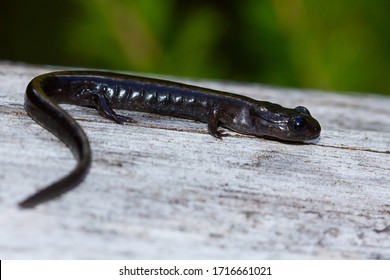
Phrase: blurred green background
x=338 y=45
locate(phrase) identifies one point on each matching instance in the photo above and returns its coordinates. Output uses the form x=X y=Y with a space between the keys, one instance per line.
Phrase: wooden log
x=165 y=189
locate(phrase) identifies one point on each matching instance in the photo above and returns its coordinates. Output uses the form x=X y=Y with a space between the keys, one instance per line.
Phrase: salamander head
x=275 y=121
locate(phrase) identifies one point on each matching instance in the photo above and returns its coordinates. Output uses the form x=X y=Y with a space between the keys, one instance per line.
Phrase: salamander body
x=109 y=91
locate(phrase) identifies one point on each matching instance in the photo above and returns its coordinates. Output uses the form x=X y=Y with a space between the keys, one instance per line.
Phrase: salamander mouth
x=306 y=136
x=287 y=133
x=310 y=135
x=314 y=137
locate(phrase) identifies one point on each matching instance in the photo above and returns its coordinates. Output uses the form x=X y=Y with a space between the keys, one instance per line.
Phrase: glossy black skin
x=108 y=91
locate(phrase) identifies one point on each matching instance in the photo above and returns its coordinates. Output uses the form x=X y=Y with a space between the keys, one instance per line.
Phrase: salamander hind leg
x=105 y=110
x=213 y=123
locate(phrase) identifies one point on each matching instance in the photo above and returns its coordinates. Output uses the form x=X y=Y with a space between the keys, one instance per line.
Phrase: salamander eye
x=297 y=123
x=303 y=110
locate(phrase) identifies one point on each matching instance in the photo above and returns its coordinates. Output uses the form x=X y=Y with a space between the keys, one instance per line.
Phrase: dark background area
x=329 y=45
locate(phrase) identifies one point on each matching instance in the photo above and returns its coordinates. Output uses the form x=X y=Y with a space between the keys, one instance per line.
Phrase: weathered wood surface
x=164 y=188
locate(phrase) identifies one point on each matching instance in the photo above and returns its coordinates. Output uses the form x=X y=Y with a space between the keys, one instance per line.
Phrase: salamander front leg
x=213 y=123
x=105 y=110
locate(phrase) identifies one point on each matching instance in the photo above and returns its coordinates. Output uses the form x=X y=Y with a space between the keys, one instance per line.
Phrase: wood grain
x=165 y=189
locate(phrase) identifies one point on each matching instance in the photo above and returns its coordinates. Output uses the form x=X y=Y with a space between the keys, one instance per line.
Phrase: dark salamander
x=109 y=91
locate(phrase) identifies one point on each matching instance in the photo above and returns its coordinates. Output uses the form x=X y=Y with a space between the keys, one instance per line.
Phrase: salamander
x=110 y=91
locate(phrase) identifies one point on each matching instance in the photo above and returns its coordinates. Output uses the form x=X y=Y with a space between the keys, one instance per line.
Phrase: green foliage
x=331 y=45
